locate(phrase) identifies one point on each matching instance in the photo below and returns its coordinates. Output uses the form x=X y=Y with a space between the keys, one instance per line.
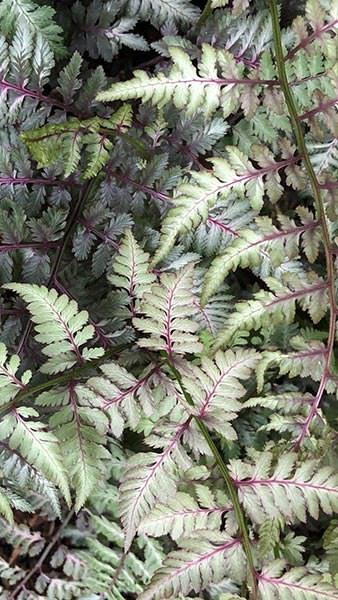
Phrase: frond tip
x=168 y=309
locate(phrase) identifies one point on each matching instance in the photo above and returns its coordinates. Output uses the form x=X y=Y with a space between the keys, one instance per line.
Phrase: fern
x=236 y=174
x=277 y=495
x=40 y=19
x=296 y=583
x=168 y=302
x=60 y=326
x=38 y=446
x=182 y=516
x=149 y=477
x=206 y=557
x=168 y=321
x=64 y=142
x=211 y=85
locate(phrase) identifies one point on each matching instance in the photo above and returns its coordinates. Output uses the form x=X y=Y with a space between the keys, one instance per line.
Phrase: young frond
x=168 y=308
x=290 y=492
x=65 y=143
x=295 y=584
x=131 y=268
x=60 y=327
x=205 y=557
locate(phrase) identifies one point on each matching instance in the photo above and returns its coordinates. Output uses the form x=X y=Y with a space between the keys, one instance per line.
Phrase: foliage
x=168 y=376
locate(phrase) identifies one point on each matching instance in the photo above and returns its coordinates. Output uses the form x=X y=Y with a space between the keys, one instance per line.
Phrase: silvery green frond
x=162 y=12
x=205 y=557
x=60 y=326
x=40 y=20
x=278 y=305
x=210 y=86
x=216 y=389
x=251 y=247
x=81 y=427
x=151 y=477
x=28 y=484
x=288 y=490
x=10 y=383
x=122 y=396
x=168 y=310
x=294 y=584
x=233 y=174
x=131 y=270
x=22 y=432
x=305 y=358
x=181 y=516
x=330 y=545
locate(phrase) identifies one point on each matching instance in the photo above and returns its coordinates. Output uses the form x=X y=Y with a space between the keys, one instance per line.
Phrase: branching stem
x=320 y=209
x=232 y=491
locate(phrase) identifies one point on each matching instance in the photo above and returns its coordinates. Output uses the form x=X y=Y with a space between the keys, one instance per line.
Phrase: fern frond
x=10 y=383
x=131 y=268
x=249 y=249
x=290 y=492
x=39 y=446
x=151 y=477
x=269 y=536
x=59 y=325
x=307 y=359
x=206 y=557
x=190 y=88
x=20 y=536
x=163 y=12
x=101 y=31
x=294 y=584
x=235 y=174
x=5 y=506
x=80 y=426
x=216 y=389
x=168 y=309
x=278 y=305
x=65 y=143
x=121 y=396
x=182 y=516
x=39 y=19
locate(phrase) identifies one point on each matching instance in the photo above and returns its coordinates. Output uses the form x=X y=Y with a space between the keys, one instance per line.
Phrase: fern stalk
x=320 y=209
x=207 y=10
x=240 y=516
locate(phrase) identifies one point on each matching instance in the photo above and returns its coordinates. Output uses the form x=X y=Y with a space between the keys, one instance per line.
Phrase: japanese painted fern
x=168 y=376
